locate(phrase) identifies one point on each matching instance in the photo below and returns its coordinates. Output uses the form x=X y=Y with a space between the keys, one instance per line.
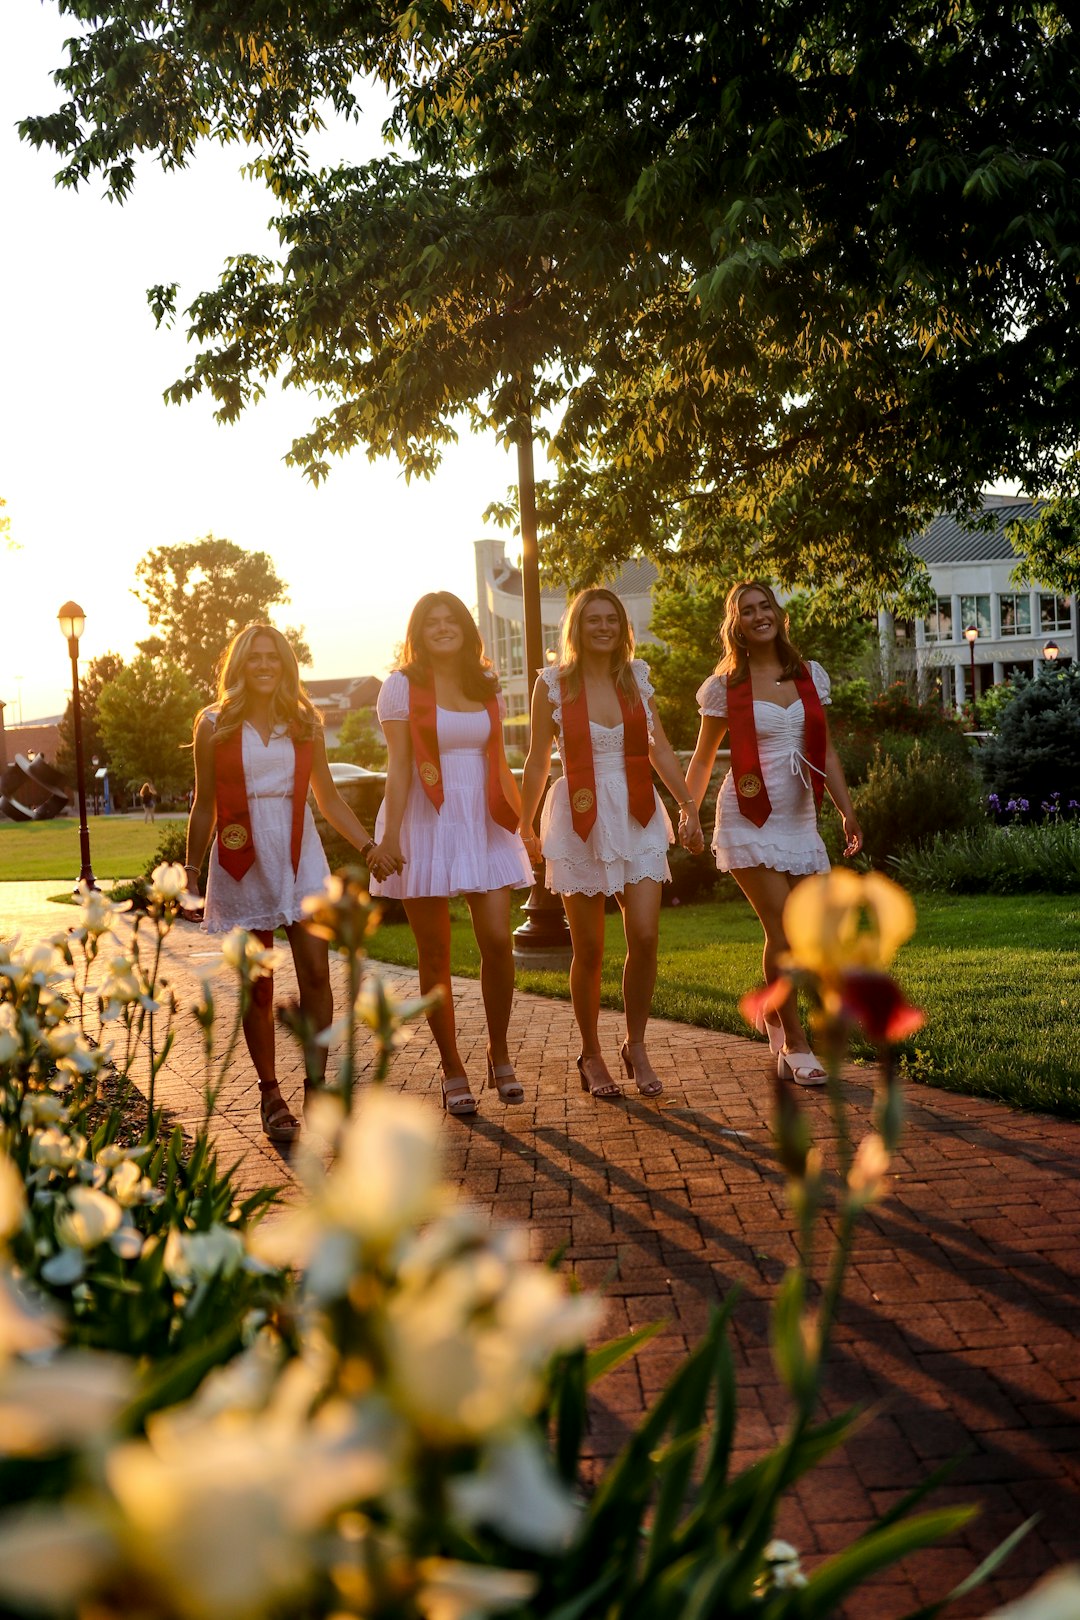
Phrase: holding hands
x=532 y=843
x=691 y=836
x=385 y=859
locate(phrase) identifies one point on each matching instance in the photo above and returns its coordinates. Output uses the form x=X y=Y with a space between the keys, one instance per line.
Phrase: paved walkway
x=959 y=1324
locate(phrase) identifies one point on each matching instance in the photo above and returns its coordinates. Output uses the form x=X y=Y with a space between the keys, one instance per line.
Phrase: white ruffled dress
x=789 y=841
x=268 y=896
x=457 y=849
x=619 y=850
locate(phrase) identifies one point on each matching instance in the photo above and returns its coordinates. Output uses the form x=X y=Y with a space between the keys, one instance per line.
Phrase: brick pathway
x=959 y=1324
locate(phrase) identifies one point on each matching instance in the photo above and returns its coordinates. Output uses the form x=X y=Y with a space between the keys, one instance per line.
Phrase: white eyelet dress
x=619 y=850
x=457 y=849
x=268 y=896
x=789 y=841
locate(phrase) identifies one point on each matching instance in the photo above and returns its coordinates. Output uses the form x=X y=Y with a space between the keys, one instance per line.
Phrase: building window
x=1015 y=613
x=975 y=610
x=1054 y=613
x=939 y=626
x=904 y=632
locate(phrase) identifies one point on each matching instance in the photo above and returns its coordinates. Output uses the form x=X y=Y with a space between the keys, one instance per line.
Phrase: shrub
x=905 y=803
x=997 y=860
x=1036 y=749
x=891 y=725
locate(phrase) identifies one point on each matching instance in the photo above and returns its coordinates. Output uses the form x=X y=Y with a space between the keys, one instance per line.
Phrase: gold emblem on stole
x=749 y=785
x=234 y=836
x=583 y=800
x=429 y=773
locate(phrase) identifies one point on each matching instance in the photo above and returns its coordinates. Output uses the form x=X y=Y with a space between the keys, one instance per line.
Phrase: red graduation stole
x=580 y=775
x=235 y=841
x=423 y=729
x=750 y=789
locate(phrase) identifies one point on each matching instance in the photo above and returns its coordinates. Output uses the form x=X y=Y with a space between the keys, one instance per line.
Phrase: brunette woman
x=604 y=830
x=448 y=825
x=257 y=750
x=782 y=759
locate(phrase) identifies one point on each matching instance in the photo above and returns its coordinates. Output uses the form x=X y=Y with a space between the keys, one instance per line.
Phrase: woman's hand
x=532 y=844
x=386 y=859
x=691 y=836
x=852 y=836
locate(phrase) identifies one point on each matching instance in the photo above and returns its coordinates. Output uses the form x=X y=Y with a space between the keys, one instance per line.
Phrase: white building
x=501 y=619
x=1018 y=626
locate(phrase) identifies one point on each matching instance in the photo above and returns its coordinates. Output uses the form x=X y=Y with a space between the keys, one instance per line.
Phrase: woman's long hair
x=734 y=662
x=478 y=680
x=570 y=644
x=290 y=705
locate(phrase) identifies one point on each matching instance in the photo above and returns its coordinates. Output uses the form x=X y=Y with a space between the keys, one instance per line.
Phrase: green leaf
x=830 y=1583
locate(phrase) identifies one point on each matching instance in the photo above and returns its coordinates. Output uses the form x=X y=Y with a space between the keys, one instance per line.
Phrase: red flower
x=875 y=1002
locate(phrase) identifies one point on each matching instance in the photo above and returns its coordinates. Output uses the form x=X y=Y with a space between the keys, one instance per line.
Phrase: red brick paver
x=959 y=1325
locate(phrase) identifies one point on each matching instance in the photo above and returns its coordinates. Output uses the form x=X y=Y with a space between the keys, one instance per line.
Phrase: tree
x=360 y=742
x=1035 y=751
x=5 y=529
x=1049 y=545
x=99 y=673
x=792 y=277
x=146 y=714
x=198 y=595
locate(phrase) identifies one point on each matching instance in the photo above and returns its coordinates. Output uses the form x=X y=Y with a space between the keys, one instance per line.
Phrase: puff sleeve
x=393 y=701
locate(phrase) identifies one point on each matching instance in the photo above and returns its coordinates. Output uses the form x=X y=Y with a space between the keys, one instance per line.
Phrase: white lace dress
x=619 y=850
x=457 y=849
x=789 y=841
x=268 y=895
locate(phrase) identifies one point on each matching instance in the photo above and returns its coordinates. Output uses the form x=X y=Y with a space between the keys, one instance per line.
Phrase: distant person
x=782 y=759
x=448 y=825
x=257 y=749
x=148 y=796
x=604 y=830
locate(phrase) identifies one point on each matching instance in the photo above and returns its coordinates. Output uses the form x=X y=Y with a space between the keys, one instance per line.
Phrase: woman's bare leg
x=767 y=891
x=491 y=925
x=429 y=919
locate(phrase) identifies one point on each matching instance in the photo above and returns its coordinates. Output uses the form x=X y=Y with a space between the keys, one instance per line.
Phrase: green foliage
x=789 y=284
x=145 y=714
x=1049 y=545
x=198 y=595
x=98 y=673
x=890 y=725
x=904 y=803
x=1036 y=748
x=990 y=707
x=1043 y=858
x=360 y=741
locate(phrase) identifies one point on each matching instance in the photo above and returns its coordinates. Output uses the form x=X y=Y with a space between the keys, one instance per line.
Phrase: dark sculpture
x=40 y=789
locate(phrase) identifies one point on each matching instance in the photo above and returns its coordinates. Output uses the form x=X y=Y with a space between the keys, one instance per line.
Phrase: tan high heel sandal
x=600 y=1084
x=457 y=1099
x=501 y=1078
x=648 y=1081
x=280 y=1125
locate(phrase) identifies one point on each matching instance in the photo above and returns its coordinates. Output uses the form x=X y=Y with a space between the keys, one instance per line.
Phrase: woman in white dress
x=256 y=751
x=782 y=759
x=604 y=830
x=448 y=825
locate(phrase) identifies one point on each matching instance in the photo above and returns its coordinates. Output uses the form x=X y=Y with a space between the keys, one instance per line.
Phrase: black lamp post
x=972 y=635
x=72 y=624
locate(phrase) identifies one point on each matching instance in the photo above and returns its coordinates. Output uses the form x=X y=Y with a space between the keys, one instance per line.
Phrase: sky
x=97 y=470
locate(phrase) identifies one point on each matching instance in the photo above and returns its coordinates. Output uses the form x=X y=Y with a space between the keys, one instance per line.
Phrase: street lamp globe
x=972 y=633
x=72 y=621
x=1050 y=651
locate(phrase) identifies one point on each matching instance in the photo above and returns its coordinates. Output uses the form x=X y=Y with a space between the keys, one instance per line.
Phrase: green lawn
x=999 y=979
x=119 y=848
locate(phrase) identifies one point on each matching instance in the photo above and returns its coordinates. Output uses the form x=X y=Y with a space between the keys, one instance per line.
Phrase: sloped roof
x=635 y=578
x=947 y=541
x=353 y=692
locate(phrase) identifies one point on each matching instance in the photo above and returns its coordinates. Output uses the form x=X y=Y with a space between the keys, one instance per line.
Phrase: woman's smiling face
x=262 y=667
x=757 y=618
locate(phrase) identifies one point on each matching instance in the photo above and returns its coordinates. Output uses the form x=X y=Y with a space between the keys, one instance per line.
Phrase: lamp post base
x=542 y=943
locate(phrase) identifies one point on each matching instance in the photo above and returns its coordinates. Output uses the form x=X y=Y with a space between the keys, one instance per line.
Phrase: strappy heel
x=280 y=1125
x=501 y=1078
x=647 y=1081
x=601 y=1084
x=801 y=1067
x=774 y=1033
x=457 y=1099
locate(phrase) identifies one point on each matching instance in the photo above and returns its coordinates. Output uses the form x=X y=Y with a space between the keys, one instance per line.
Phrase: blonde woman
x=772 y=706
x=449 y=824
x=604 y=830
x=257 y=750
